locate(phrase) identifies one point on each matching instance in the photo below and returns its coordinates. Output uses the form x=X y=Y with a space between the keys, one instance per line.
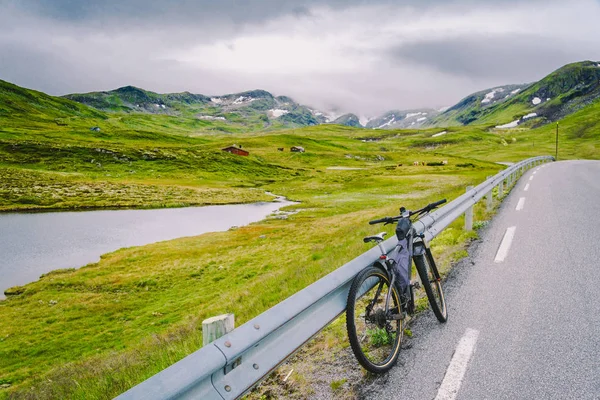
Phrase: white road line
x=526 y=187
x=458 y=366
x=531 y=178
x=505 y=245
x=520 y=204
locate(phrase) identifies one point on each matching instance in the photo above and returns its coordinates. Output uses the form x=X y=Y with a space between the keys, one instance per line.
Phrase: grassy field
x=98 y=330
x=579 y=138
x=95 y=331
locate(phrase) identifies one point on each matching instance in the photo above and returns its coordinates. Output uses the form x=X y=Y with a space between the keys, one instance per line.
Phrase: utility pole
x=556 y=155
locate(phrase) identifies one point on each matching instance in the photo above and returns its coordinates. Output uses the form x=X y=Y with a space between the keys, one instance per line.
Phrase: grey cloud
x=515 y=57
x=63 y=46
x=196 y=11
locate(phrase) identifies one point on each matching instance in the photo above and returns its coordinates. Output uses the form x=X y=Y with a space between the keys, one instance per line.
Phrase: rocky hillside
x=348 y=120
x=402 y=119
x=469 y=109
x=559 y=94
x=251 y=106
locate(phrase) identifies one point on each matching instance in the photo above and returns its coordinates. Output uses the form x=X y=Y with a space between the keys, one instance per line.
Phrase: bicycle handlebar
x=425 y=209
x=378 y=221
x=434 y=205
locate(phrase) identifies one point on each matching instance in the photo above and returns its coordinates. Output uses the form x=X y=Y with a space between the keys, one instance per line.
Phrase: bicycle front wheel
x=375 y=337
x=432 y=283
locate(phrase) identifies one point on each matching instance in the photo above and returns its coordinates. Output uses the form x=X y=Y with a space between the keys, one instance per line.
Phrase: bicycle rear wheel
x=374 y=337
x=432 y=283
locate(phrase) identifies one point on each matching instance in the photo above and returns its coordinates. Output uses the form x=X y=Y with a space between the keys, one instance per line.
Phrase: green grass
x=98 y=330
x=113 y=312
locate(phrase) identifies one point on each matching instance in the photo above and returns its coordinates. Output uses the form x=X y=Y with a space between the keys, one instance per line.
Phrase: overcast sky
x=359 y=56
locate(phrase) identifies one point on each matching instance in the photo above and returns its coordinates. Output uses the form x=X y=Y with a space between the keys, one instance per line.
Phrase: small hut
x=236 y=150
x=297 y=149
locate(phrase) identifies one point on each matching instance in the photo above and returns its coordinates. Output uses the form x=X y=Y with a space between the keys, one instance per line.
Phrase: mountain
x=19 y=102
x=348 y=120
x=402 y=119
x=559 y=94
x=472 y=107
x=250 y=106
x=133 y=99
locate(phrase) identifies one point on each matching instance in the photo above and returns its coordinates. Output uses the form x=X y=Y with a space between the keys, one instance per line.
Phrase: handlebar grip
x=437 y=203
x=378 y=221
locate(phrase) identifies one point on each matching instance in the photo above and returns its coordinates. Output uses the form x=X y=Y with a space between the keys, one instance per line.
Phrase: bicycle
x=382 y=294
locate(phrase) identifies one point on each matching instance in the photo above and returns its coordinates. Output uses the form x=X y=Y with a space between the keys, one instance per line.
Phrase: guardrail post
x=469 y=214
x=215 y=327
x=490 y=198
x=501 y=189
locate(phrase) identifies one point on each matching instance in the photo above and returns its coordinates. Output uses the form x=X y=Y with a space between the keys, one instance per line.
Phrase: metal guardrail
x=233 y=364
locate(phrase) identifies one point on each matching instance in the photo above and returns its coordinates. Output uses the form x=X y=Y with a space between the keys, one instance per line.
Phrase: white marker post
x=215 y=327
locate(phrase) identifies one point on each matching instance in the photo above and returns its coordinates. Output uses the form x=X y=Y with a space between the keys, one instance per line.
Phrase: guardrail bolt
x=256 y=326
x=228 y=344
x=255 y=366
x=228 y=388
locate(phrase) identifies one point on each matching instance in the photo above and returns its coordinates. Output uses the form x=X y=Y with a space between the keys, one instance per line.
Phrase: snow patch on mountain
x=387 y=123
x=516 y=122
x=515 y=91
x=421 y=119
x=216 y=100
x=490 y=96
x=276 y=113
x=509 y=125
x=364 y=120
x=211 y=118
x=439 y=134
x=536 y=101
x=243 y=99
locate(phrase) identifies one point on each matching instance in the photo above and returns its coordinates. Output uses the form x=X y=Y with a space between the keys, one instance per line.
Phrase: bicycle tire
x=430 y=279
x=375 y=340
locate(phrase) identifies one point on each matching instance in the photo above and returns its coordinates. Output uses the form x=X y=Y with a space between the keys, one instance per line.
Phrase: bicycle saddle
x=375 y=238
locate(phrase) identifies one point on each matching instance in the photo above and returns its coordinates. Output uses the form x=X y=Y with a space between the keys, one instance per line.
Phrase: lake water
x=33 y=244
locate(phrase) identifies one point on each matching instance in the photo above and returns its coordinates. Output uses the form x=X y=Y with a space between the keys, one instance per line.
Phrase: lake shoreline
x=168 y=223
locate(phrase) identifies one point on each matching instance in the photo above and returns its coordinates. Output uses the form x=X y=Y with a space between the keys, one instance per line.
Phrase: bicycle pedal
x=415 y=284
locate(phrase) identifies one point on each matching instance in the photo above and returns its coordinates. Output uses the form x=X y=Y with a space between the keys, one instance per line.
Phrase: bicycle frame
x=416 y=247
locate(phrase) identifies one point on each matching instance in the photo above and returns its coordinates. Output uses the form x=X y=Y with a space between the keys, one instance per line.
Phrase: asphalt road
x=532 y=321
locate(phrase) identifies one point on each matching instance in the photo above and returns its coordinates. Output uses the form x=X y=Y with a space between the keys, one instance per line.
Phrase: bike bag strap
x=403 y=228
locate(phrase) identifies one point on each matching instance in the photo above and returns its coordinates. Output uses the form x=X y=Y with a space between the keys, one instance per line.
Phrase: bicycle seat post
x=383 y=253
